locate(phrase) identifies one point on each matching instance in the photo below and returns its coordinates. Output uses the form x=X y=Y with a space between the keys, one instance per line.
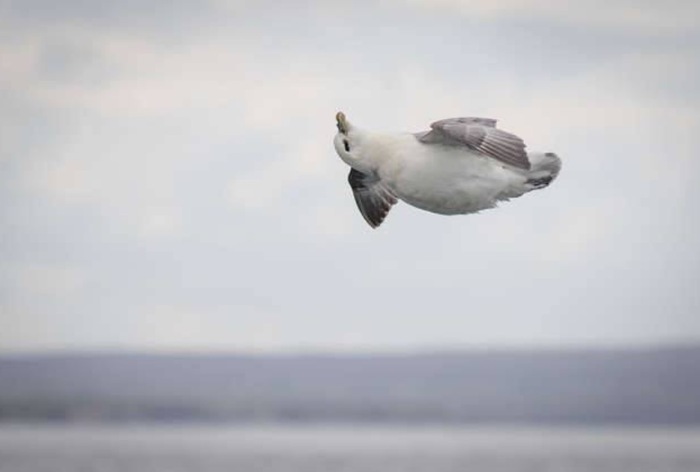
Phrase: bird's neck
x=383 y=150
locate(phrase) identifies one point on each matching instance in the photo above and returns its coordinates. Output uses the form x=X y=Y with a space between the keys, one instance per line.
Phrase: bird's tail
x=544 y=168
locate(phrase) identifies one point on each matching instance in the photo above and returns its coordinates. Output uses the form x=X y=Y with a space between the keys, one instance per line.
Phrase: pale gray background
x=168 y=181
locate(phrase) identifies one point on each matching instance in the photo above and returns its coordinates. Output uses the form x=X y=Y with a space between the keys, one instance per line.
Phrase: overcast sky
x=168 y=180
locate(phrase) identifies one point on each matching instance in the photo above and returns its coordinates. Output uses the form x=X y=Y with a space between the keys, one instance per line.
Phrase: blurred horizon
x=366 y=351
x=644 y=387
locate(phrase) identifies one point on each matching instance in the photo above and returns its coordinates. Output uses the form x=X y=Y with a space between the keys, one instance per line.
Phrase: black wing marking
x=481 y=135
x=372 y=197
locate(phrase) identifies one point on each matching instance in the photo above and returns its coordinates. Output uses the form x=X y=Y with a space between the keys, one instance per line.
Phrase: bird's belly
x=448 y=184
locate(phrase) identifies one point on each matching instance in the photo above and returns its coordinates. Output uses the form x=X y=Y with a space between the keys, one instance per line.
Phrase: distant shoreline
x=657 y=386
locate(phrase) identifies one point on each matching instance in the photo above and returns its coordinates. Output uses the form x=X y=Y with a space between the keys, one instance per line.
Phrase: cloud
x=178 y=327
x=24 y=330
x=44 y=280
x=134 y=77
x=183 y=188
x=632 y=16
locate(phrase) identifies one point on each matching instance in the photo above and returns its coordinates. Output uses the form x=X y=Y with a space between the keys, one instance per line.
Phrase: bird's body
x=444 y=179
x=457 y=168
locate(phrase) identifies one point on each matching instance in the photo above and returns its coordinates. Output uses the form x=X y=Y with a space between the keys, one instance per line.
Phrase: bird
x=459 y=166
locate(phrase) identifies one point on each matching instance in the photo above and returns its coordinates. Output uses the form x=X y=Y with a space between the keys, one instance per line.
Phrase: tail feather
x=544 y=168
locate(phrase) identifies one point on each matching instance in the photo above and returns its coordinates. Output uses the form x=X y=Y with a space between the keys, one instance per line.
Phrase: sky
x=168 y=180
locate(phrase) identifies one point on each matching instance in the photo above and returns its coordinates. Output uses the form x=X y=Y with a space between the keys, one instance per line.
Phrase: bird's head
x=348 y=143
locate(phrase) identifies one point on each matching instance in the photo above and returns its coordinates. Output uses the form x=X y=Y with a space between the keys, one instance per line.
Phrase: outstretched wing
x=373 y=198
x=479 y=134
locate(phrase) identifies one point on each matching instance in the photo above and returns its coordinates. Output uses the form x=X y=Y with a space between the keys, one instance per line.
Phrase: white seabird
x=460 y=166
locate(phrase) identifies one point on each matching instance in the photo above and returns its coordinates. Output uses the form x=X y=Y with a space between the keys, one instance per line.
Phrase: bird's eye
x=347 y=145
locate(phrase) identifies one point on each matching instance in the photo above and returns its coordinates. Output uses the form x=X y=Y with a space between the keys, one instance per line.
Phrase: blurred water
x=344 y=448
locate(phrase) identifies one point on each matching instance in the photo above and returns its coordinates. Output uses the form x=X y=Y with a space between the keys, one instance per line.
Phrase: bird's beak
x=341 y=123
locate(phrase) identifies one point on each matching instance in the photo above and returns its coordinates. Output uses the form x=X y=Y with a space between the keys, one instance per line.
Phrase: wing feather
x=372 y=197
x=479 y=134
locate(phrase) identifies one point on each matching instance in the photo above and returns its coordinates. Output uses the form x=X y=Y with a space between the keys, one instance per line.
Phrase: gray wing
x=479 y=134
x=373 y=198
